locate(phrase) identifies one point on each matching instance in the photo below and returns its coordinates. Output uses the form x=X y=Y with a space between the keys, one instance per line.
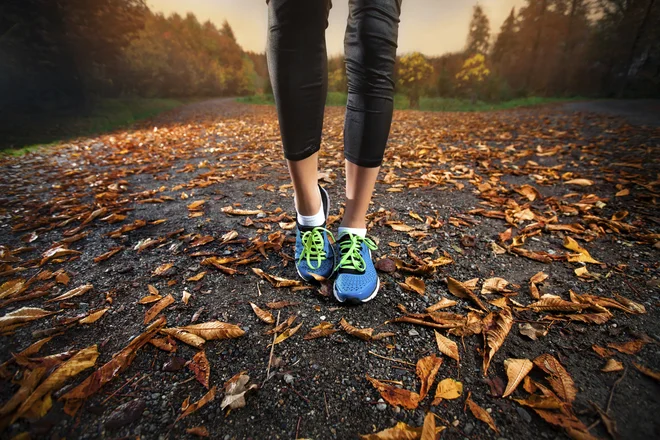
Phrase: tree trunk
x=537 y=43
x=633 y=48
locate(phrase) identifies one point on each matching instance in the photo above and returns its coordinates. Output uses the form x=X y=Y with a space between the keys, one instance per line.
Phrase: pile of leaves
x=199 y=200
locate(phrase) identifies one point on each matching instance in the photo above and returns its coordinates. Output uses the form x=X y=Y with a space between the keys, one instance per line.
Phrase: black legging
x=297 y=63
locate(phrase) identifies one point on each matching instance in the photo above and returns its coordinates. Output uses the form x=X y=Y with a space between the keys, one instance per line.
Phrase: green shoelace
x=313 y=247
x=350 y=251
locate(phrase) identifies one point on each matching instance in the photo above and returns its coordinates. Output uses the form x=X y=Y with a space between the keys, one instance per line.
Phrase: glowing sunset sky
x=429 y=26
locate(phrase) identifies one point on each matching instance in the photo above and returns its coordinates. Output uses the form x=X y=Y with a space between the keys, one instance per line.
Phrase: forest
x=70 y=53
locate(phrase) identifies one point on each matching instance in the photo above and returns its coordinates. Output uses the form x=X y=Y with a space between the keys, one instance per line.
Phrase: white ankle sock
x=360 y=232
x=312 y=220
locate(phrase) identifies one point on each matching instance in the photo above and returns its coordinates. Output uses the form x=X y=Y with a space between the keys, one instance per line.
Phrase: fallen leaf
x=582 y=256
x=235 y=389
x=82 y=360
x=601 y=351
x=428 y=429
x=185 y=297
x=495 y=285
x=362 y=333
x=533 y=330
x=447 y=346
x=201 y=368
x=553 y=303
x=538 y=278
x=191 y=408
x=579 y=182
x=400 y=431
x=24 y=314
x=481 y=414
x=163 y=269
x=426 y=369
x=459 y=289
x=414 y=284
x=11 y=288
x=197 y=277
x=72 y=293
x=495 y=332
x=185 y=337
x=93 y=316
x=199 y=431
x=264 y=315
x=28 y=383
x=323 y=329
x=611 y=366
x=516 y=370
x=396 y=396
x=442 y=304
x=647 y=371
x=150 y=314
x=385 y=265
x=448 y=389
x=559 y=378
x=633 y=307
x=196 y=205
x=286 y=334
x=214 y=330
x=119 y=362
x=630 y=347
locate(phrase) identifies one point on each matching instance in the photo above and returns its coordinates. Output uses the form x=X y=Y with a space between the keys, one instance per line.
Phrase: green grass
x=105 y=116
x=428 y=103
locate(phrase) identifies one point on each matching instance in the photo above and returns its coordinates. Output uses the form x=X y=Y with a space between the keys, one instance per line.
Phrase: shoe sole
x=356 y=301
x=327 y=214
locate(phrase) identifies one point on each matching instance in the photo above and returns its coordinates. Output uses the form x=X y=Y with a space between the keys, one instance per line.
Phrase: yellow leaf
x=448 y=389
x=286 y=334
x=516 y=370
x=94 y=316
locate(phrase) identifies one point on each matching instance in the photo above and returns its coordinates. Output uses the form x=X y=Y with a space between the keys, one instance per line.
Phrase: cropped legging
x=297 y=63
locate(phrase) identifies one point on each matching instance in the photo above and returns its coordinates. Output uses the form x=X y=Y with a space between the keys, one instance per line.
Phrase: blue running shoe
x=357 y=280
x=315 y=255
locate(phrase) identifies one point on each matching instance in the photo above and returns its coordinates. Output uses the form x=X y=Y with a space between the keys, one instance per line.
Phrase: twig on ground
x=327 y=411
x=298 y=426
x=272 y=348
x=609 y=400
x=391 y=359
x=119 y=389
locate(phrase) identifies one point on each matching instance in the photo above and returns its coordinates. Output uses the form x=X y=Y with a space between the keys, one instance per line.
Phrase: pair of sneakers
x=348 y=260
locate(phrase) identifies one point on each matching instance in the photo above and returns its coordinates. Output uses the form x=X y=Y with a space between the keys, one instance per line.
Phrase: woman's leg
x=370 y=49
x=297 y=64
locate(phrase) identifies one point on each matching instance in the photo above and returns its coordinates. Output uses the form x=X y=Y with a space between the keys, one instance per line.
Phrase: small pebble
x=413 y=332
x=288 y=379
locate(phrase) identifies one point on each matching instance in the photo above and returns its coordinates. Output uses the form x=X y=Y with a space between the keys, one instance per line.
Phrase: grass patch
x=429 y=103
x=105 y=116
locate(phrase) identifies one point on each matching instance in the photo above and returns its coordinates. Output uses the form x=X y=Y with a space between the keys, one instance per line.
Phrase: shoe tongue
x=345 y=237
x=302 y=228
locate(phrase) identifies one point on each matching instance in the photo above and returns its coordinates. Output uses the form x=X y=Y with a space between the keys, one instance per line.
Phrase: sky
x=433 y=27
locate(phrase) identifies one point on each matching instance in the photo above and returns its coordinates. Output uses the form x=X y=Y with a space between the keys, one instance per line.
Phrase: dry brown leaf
x=516 y=370
x=191 y=408
x=185 y=337
x=82 y=360
x=199 y=431
x=559 y=378
x=201 y=367
x=552 y=303
x=481 y=414
x=108 y=255
x=647 y=371
x=93 y=316
x=460 y=290
x=363 y=333
x=286 y=334
x=630 y=347
x=277 y=281
x=567 y=421
x=442 y=304
x=323 y=329
x=280 y=328
x=414 y=284
x=196 y=205
x=150 y=314
x=11 y=288
x=611 y=366
x=538 y=278
x=264 y=315
x=214 y=330
x=533 y=330
x=162 y=269
x=394 y=395
x=428 y=430
x=165 y=344
x=601 y=351
x=495 y=285
x=235 y=390
x=582 y=254
x=495 y=332
x=28 y=383
x=119 y=362
x=232 y=211
x=281 y=304
x=447 y=346
x=632 y=306
x=197 y=277
x=185 y=297
x=400 y=431
x=426 y=369
x=448 y=389
x=579 y=182
x=24 y=314
x=72 y=293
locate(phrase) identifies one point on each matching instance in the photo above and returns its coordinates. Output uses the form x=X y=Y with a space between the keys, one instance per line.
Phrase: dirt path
x=468 y=177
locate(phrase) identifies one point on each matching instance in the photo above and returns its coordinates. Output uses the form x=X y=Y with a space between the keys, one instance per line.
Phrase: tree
x=478 y=39
x=505 y=43
x=473 y=73
x=227 y=31
x=414 y=72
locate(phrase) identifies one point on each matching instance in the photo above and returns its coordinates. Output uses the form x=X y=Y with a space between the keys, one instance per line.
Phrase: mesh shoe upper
x=357 y=279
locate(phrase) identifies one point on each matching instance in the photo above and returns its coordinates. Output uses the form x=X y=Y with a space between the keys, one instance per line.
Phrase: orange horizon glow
x=433 y=27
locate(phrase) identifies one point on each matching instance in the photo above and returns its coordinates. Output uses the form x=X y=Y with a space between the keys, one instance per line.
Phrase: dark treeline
x=555 y=48
x=67 y=53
